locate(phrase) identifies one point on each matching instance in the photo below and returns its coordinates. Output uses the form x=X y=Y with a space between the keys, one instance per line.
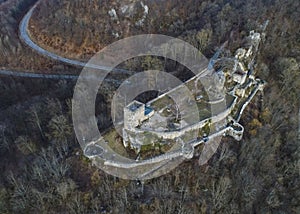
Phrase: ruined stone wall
x=134 y=118
x=182 y=132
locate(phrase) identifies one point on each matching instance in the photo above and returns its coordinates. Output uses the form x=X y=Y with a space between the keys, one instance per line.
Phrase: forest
x=43 y=169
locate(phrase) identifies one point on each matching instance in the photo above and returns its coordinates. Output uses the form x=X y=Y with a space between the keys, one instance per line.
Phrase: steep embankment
x=79 y=28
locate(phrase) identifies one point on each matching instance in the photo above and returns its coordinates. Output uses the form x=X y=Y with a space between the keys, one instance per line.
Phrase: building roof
x=134 y=105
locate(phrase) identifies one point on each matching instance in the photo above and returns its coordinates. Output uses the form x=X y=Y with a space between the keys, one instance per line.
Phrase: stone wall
x=133 y=117
x=135 y=135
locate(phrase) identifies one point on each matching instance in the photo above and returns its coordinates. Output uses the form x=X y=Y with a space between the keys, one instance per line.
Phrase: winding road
x=24 y=36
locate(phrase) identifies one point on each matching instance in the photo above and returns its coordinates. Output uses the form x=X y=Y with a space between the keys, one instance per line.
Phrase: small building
x=135 y=113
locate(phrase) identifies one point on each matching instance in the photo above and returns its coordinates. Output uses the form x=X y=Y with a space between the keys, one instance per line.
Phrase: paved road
x=26 y=38
x=48 y=76
x=35 y=75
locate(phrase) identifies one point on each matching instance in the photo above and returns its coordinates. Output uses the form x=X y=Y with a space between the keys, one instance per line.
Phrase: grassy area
x=162 y=102
x=115 y=142
x=159 y=148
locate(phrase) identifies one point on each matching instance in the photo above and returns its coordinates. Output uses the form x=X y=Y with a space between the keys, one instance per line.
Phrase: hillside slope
x=84 y=27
